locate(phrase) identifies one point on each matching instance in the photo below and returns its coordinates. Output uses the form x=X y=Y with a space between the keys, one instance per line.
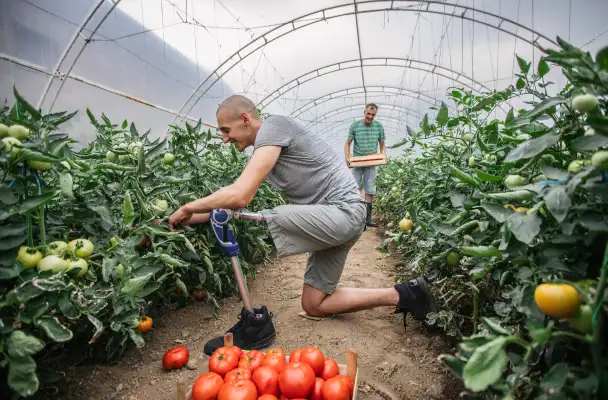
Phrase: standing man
x=366 y=134
x=325 y=219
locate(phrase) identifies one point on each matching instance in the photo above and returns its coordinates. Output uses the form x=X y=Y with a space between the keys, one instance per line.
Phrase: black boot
x=254 y=331
x=369 y=221
x=415 y=298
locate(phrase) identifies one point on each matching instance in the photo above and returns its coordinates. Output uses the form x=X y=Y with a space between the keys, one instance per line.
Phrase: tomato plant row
x=86 y=255
x=508 y=219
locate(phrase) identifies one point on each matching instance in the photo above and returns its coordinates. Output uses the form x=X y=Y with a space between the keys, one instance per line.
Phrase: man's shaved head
x=234 y=105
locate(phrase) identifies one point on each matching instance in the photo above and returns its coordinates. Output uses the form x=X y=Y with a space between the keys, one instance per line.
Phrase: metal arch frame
x=355 y=107
x=363 y=90
x=57 y=70
x=280 y=31
x=384 y=62
x=344 y=121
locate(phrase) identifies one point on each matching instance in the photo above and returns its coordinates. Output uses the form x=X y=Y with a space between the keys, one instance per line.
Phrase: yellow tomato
x=557 y=300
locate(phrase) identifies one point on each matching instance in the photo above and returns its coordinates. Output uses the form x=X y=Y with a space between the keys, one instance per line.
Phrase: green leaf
x=486 y=365
x=510 y=117
x=34 y=202
x=520 y=84
x=156 y=150
x=516 y=195
x=66 y=183
x=442 y=115
x=532 y=147
x=495 y=327
x=586 y=143
x=22 y=376
x=182 y=287
x=26 y=106
x=554 y=173
x=543 y=106
x=51 y=284
x=133 y=130
x=128 y=210
x=66 y=306
x=134 y=285
x=480 y=251
x=10 y=272
x=602 y=58
x=488 y=178
x=98 y=328
x=543 y=68
x=21 y=344
x=558 y=202
x=457 y=199
x=54 y=329
x=7 y=196
x=104 y=213
x=542 y=336
x=33 y=311
x=524 y=227
x=555 y=378
x=454 y=364
x=594 y=222
x=92 y=117
x=523 y=65
x=500 y=214
x=141 y=161
x=137 y=338
x=124 y=124
x=158 y=190
x=11 y=242
x=463 y=176
x=107 y=268
x=33 y=155
x=425 y=124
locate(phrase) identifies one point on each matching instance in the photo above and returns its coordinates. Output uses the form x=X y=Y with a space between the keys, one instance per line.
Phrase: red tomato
x=317 y=391
x=267 y=397
x=295 y=355
x=287 y=398
x=336 y=388
x=223 y=361
x=207 y=386
x=238 y=390
x=330 y=369
x=349 y=383
x=297 y=380
x=313 y=357
x=238 y=374
x=275 y=352
x=238 y=351
x=266 y=379
x=252 y=360
x=176 y=357
x=275 y=362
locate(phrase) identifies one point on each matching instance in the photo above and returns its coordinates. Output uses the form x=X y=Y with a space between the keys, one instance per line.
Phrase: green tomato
x=472 y=161
x=162 y=204
x=582 y=320
x=514 y=180
x=29 y=257
x=56 y=248
x=81 y=247
x=453 y=258
x=39 y=165
x=114 y=240
x=490 y=157
x=390 y=225
x=18 y=132
x=110 y=156
x=66 y=165
x=394 y=189
x=575 y=166
x=468 y=137
x=123 y=158
x=3 y=131
x=400 y=171
x=168 y=158
x=10 y=144
x=52 y=263
x=119 y=271
x=600 y=159
x=547 y=159
x=78 y=263
x=585 y=102
x=590 y=132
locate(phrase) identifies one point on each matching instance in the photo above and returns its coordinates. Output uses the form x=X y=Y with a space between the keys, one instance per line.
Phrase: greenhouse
x=364 y=199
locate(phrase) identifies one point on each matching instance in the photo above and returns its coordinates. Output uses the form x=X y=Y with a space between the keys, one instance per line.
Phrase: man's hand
x=348 y=160
x=180 y=217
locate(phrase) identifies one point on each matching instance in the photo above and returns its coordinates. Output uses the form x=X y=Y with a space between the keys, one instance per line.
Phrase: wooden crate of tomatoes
x=304 y=373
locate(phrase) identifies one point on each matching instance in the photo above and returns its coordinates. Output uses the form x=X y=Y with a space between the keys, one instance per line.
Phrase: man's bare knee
x=313 y=309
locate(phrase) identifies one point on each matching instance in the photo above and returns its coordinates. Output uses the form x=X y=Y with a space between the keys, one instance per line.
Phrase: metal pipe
x=248 y=215
x=242 y=284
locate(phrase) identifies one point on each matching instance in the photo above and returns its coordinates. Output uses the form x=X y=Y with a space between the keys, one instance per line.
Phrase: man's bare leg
x=345 y=300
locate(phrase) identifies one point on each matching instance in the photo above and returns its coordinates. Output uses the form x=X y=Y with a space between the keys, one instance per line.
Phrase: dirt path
x=393 y=364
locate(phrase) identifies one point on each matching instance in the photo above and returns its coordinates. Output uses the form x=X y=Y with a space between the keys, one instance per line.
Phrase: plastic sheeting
x=155 y=62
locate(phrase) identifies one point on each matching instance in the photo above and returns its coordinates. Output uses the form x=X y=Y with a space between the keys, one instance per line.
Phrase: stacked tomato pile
x=253 y=375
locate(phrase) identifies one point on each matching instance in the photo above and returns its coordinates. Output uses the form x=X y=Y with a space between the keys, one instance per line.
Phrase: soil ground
x=393 y=363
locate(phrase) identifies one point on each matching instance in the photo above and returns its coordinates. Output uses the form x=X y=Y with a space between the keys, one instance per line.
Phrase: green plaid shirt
x=366 y=137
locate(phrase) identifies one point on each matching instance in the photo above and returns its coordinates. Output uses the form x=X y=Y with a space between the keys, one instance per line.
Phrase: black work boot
x=254 y=331
x=415 y=298
x=369 y=221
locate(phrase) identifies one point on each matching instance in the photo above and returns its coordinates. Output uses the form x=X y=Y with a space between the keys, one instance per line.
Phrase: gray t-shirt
x=307 y=171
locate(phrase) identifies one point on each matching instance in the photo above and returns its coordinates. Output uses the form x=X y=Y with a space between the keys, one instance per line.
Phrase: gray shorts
x=369 y=178
x=325 y=231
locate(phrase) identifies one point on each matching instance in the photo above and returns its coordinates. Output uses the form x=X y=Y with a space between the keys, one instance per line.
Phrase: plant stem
x=570 y=334
x=475 y=311
x=42 y=226
x=596 y=352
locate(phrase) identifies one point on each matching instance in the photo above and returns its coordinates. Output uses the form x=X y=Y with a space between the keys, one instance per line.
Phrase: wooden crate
x=349 y=369
x=368 y=161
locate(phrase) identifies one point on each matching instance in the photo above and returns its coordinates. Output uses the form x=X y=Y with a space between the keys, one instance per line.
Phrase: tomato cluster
x=252 y=375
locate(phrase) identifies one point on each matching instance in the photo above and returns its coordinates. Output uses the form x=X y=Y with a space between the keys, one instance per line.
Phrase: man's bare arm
x=347 y=150
x=382 y=147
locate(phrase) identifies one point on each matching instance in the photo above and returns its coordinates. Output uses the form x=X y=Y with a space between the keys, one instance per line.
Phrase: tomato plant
x=175 y=358
x=504 y=210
